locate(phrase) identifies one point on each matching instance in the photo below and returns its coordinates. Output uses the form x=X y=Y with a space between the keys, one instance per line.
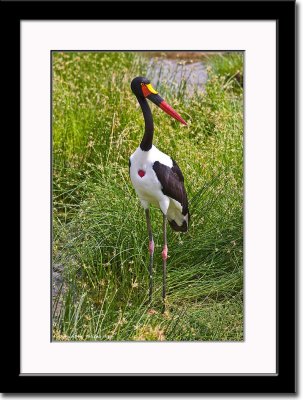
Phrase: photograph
x=147 y=196
x=157 y=232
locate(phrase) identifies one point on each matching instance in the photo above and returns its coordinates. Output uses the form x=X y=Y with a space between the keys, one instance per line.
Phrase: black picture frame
x=12 y=12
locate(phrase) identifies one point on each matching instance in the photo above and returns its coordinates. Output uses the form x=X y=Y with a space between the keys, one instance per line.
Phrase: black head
x=138 y=84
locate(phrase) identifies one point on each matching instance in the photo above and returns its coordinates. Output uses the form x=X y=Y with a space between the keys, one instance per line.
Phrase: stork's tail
x=183 y=227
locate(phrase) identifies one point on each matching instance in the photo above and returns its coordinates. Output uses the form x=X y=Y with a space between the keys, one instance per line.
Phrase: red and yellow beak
x=147 y=89
x=150 y=93
x=170 y=111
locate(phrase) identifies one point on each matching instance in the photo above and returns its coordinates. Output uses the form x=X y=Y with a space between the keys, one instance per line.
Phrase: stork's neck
x=147 y=140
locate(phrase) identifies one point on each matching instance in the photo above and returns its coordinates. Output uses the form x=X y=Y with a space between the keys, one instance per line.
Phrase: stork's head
x=142 y=88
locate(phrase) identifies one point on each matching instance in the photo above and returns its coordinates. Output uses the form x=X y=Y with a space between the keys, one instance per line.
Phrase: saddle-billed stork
x=156 y=177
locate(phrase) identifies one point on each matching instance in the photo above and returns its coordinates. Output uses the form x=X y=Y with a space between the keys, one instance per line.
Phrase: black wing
x=172 y=182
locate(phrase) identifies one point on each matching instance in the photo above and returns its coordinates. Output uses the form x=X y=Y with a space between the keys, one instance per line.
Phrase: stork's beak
x=153 y=96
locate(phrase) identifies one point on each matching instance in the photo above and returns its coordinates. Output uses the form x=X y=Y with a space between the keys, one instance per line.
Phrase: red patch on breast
x=141 y=173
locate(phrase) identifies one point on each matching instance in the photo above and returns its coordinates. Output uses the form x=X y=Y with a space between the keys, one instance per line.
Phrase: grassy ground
x=99 y=234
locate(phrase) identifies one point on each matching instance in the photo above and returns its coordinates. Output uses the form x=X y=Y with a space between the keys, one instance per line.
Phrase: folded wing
x=172 y=182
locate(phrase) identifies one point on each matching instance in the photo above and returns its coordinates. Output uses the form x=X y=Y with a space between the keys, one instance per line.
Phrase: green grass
x=229 y=65
x=99 y=231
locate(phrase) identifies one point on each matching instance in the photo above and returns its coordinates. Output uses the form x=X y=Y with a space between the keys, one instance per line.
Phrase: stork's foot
x=164 y=252
x=152 y=311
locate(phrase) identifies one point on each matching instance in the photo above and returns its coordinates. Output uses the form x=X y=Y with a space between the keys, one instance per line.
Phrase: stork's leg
x=164 y=258
x=151 y=253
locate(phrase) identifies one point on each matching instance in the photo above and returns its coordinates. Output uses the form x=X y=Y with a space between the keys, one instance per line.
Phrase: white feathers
x=148 y=187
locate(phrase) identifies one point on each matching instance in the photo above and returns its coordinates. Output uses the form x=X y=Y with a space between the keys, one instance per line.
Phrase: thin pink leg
x=151 y=247
x=164 y=252
x=164 y=257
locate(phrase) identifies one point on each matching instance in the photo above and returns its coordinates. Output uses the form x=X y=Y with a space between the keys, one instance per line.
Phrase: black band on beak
x=155 y=98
